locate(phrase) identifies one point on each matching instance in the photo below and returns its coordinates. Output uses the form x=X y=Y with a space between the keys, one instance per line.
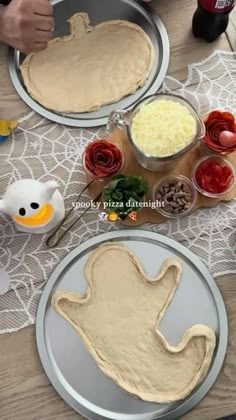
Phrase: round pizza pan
x=73 y=372
x=99 y=12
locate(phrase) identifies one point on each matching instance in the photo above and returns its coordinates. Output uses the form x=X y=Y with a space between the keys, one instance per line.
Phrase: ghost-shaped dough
x=117 y=319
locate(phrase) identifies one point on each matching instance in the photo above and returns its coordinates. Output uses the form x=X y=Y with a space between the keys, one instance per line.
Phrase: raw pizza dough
x=117 y=319
x=91 y=67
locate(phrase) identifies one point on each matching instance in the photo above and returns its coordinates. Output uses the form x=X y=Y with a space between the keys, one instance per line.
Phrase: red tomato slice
x=222 y=187
x=204 y=182
x=203 y=167
x=226 y=171
x=215 y=181
x=216 y=170
x=212 y=189
x=229 y=179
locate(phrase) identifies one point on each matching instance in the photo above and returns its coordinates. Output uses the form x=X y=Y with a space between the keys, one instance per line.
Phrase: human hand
x=27 y=24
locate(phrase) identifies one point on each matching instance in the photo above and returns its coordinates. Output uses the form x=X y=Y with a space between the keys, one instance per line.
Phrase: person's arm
x=26 y=24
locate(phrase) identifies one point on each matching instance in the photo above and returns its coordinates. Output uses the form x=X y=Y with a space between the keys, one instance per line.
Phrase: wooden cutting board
x=183 y=166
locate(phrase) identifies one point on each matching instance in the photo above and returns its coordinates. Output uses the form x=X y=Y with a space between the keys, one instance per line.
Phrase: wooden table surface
x=25 y=393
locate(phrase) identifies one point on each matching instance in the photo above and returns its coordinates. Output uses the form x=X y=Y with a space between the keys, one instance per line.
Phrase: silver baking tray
x=99 y=11
x=73 y=372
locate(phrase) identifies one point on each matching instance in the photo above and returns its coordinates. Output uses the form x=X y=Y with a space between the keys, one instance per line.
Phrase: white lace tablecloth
x=43 y=150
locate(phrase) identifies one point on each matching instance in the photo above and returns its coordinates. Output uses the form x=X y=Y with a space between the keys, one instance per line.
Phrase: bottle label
x=217 y=6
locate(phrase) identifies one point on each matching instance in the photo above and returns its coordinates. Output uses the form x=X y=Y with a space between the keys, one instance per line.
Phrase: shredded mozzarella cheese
x=163 y=128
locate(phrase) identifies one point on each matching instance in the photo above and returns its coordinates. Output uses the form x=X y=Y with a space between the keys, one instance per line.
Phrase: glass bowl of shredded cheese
x=161 y=129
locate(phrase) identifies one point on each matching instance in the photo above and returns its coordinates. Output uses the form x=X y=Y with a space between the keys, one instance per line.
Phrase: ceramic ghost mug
x=34 y=207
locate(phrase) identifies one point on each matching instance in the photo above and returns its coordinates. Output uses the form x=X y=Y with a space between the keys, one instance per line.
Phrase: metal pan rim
x=90 y=121
x=102 y=414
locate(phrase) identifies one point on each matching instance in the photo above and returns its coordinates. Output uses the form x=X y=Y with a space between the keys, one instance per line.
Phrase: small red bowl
x=221 y=162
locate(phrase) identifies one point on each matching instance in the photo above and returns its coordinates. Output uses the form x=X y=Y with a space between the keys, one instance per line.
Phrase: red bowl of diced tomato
x=213 y=176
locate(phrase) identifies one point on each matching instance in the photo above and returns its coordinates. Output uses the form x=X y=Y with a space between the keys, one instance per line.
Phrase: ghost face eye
x=22 y=211
x=34 y=206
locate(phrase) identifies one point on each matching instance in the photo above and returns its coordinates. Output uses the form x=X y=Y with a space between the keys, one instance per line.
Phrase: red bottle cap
x=217 y=6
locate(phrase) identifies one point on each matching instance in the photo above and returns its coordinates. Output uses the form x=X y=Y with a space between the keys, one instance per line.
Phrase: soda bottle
x=211 y=18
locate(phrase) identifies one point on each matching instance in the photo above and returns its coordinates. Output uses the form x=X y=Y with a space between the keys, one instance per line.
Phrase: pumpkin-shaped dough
x=91 y=67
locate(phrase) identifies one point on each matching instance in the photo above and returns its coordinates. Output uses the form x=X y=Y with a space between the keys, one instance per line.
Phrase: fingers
x=43 y=36
x=34 y=47
x=45 y=24
x=28 y=24
x=38 y=42
x=39 y=46
x=43 y=8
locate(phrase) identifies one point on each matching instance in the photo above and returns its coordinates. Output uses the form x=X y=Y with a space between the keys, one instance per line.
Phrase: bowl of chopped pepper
x=213 y=176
